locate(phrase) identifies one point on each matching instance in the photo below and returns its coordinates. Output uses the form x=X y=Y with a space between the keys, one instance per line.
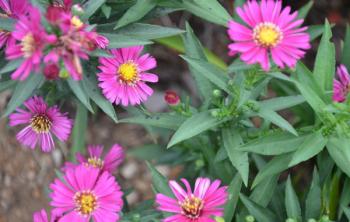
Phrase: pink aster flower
x=341 y=87
x=110 y=162
x=42 y=123
x=201 y=205
x=13 y=9
x=268 y=29
x=86 y=194
x=32 y=41
x=123 y=77
x=41 y=216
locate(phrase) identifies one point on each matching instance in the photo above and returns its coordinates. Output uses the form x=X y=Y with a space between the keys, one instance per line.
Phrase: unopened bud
x=249 y=218
x=64 y=74
x=51 y=71
x=217 y=93
x=311 y=220
x=215 y=113
x=291 y=220
x=171 y=98
x=325 y=218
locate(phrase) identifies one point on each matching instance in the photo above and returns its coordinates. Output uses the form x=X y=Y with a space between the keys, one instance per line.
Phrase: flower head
x=41 y=216
x=13 y=9
x=123 y=77
x=42 y=123
x=341 y=87
x=86 y=194
x=200 y=205
x=32 y=39
x=110 y=162
x=171 y=98
x=271 y=30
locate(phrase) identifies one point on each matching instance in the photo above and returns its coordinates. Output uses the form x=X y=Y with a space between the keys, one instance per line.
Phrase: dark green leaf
x=90 y=7
x=345 y=58
x=313 y=199
x=232 y=140
x=165 y=120
x=122 y=41
x=303 y=11
x=23 y=91
x=106 y=10
x=262 y=214
x=339 y=150
x=160 y=183
x=193 y=126
x=325 y=60
x=136 y=12
x=315 y=31
x=6 y=23
x=292 y=202
x=280 y=103
x=79 y=131
x=80 y=93
x=233 y=191
x=7 y=84
x=263 y=192
x=10 y=66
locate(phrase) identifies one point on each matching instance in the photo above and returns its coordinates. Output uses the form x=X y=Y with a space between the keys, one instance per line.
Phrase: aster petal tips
x=269 y=31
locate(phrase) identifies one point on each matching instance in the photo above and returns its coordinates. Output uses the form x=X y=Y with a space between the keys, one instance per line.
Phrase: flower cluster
x=87 y=190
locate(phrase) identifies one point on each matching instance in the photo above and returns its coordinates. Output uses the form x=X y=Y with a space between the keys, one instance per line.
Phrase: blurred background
x=26 y=174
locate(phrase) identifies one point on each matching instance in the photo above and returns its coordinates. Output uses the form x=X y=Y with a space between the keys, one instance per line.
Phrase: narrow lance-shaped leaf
x=79 y=131
x=303 y=11
x=325 y=60
x=339 y=150
x=91 y=6
x=136 y=12
x=80 y=93
x=160 y=183
x=345 y=59
x=233 y=191
x=167 y=121
x=232 y=139
x=313 y=198
x=23 y=91
x=280 y=103
x=262 y=214
x=292 y=202
x=121 y=41
x=195 y=125
x=264 y=191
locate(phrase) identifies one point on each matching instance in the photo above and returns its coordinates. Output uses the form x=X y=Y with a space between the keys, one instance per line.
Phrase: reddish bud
x=172 y=98
x=51 y=71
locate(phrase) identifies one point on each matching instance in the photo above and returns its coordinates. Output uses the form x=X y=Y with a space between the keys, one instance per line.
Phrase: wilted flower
x=42 y=121
x=13 y=9
x=86 y=194
x=41 y=216
x=202 y=204
x=270 y=30
x=171 y=98
x=110 y=162
x=123 y=77
x=341 y=87
x=32 y=41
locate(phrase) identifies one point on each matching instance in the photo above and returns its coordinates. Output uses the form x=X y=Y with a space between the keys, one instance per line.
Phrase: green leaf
x=304 y=11
x=195 y=125
x=325 y=60
x=232 y=201
x=106 y=10
x=161 y=120
x=90 y=7
x=90 y=86
x=23 y=91
x=122 y=41
x=10 y=66
x=142 y=31
x=345 y=58
x=7 y=84
x=136 y=12
x=80 y=93
x=315 y=31
x=345 y=196
x=40 y=4
x=7 y=23
x=211 y=72
x=79 y=130
x=275 y=166
x=274 y=144
x=262 y=214
x=195 y=50
x=292 y=202
x=347 y=212
x=210 y=10
x=313 y=144
x=232 y=139
x=313 y=199
x=280 y=103
x=339 y=150
x=160 y=183
x=276 y=119
x=263 y=192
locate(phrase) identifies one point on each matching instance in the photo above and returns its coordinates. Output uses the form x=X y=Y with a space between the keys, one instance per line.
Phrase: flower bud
x=249 y=218
x=325 y=218
x=215 y=113
x=64 y=74
x=51 y=71
x=217 y=93
x=171 y=98
x=311 y=220
x=291 y=220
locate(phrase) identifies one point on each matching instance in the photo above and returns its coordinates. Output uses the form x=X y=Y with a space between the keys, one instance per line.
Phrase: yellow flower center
x=95 y=162
x=267 y=34
x=192 y=207
x=86 y=202
x=76 y=22
x=128 y=73
x=40 y=123
x=28 y=45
